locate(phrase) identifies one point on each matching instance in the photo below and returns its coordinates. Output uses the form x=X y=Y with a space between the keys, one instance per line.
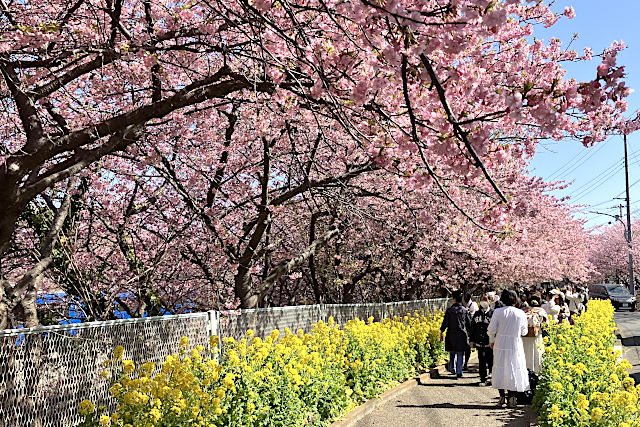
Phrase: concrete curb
x=369 y=406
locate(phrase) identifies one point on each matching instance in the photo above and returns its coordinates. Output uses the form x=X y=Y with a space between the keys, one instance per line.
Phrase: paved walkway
x=448 y=402
x=629 y=334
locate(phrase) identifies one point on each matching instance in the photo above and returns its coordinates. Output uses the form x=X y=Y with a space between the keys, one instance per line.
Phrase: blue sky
x=596 y=173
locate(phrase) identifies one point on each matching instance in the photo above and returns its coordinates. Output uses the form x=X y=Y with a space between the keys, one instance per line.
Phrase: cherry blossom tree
x=610 y=254
x=439 y=95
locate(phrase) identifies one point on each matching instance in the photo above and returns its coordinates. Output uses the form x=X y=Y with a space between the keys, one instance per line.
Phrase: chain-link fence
x=46 y=371
x=264 y=320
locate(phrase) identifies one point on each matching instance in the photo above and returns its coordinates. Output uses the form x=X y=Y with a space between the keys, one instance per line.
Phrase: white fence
x=46 y=371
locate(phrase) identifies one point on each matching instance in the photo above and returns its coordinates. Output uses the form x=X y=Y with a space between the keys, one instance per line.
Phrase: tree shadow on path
x=486 y=407
x=632 y=353
x=521 y=416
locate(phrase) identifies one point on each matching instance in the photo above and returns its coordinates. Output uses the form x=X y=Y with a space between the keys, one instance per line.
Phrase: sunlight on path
x=449 y=402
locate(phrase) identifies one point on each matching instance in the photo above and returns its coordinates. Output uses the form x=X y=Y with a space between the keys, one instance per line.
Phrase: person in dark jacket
x=480 y=339
x=457 y=323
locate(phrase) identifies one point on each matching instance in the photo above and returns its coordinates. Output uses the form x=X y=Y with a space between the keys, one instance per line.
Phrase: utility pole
x=632 y=287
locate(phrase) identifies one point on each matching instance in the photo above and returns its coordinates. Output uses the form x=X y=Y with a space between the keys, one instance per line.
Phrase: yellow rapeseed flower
x=86 y=407
x=128 y=366
x=105 y=421
x=118 y=352
x=155 y=414
x=555 y=413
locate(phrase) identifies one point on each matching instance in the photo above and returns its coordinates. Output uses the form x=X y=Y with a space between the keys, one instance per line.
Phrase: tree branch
x=459 y=131
x=286 y=266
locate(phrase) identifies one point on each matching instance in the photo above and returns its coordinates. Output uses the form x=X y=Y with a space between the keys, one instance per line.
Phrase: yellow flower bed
x=289 y=380
x=583 y=382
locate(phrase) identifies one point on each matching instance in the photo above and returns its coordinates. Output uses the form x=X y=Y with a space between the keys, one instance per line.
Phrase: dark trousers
x=485 y=360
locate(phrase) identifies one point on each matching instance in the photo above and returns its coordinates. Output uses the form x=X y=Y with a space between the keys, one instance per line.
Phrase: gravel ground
x=448 y=402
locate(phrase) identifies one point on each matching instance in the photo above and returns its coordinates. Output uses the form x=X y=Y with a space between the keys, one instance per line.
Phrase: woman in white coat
x=505 y=330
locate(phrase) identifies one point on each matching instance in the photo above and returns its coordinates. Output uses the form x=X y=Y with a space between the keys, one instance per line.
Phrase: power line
x=595 y=182
x=601 y=203
x=587 y=155
x=593 y=188
x=617 y=195
x=584 y=153
x=575 y=159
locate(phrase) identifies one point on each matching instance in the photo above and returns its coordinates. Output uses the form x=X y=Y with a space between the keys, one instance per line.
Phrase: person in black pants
x=480 y=339
x=472 y=307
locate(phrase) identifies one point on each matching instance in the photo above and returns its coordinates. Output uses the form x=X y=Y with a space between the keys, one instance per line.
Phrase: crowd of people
x=507 y=332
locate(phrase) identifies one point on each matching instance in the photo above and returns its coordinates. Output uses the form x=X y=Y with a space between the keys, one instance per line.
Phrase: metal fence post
x=213 y=322
x=213 y=328
x=323 y=313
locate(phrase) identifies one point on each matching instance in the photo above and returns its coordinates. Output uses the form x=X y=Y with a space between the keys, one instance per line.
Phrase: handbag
x=533 y=321
x=533 y=332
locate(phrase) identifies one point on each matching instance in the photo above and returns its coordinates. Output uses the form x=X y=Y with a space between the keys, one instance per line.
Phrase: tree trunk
x=19 y=298
x=347 y=293
x=317 y=291
x=4 y=305
x=27 y=306
x=287 y=266
x=9 y=215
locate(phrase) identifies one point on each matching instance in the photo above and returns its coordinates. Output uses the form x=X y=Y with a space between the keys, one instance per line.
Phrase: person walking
x=480 y=338
x=532 y=342
x=472 y=306
x=550 y=307
x=561 y=303
x=506 y=328
x=576 y=300
x=457 y=323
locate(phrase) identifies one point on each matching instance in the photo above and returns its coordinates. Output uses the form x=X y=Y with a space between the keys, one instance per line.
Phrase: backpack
x=526 y=398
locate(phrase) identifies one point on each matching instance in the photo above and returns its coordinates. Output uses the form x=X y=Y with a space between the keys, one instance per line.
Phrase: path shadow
x=447 y=380
x=517 y=420
x=514 y=417
x=629 y=341
x=453 y=406
x=450 y=383
x=524 y=416
x=632 y=343
x=510 y=417
x=444 y=381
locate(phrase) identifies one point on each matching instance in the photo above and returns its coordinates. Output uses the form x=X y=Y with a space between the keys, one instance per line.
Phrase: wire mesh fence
x=405 y=307
x=342 y=313
x=46 y=371
x=264 y=320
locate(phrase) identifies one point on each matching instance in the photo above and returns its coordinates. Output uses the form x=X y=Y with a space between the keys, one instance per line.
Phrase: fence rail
x=46 y=371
